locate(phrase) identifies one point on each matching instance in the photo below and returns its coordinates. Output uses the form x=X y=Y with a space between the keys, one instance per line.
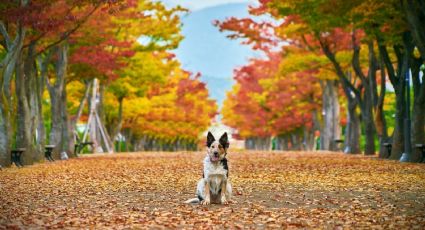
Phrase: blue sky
x=201 y=4
x=205 y=49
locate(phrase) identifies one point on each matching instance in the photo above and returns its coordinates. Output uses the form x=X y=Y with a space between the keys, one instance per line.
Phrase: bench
x=338 y=144
x=80 y=146
x=421 y=147
x=48 y=149
x=388 y=146
x=16 y=156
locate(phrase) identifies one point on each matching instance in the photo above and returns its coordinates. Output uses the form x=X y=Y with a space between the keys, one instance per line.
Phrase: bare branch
x=5 y=34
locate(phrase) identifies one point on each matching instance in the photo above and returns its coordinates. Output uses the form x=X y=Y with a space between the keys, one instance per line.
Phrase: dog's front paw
x=224 y=200
x=205 y=202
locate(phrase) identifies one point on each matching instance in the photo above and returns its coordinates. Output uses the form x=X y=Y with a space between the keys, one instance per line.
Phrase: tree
x=169 y=117
x=334 y=29
x=52 y=37
x=37 y=26
x=293 y=32
x=267 y=103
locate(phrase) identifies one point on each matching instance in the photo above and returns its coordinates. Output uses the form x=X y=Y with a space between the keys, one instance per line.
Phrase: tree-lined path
x=282 y=189
x=325 y=117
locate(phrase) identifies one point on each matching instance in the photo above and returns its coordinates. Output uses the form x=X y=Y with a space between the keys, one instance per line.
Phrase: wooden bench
x=388 y=146
x=79 y=146
x=16 y=156
x=48 y=149
x=421 y=147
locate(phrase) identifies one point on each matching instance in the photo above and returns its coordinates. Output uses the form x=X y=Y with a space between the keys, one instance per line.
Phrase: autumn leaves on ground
x=286 y=189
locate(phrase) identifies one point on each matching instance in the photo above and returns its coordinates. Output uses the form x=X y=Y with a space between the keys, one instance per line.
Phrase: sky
x=205 y=49
x=194 y=5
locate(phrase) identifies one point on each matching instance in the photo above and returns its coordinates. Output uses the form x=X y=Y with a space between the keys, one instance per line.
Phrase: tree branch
x=355 y=61
x=5 y=34
x=399 y=54
x=309 y=47
x=44 y=67
x=337 y=68
x=44 y=33
x=68 y=33
x=383 y=52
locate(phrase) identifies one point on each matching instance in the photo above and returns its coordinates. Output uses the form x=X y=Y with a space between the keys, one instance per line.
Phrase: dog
x=214 y=187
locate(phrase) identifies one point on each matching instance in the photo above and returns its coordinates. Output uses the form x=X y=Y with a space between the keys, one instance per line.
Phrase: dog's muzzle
x=215 y=156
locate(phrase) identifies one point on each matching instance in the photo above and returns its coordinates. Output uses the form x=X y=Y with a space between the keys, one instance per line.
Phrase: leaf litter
x=271 y=190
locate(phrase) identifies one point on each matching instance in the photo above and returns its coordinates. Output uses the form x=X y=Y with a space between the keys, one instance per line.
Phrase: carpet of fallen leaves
x=272 y=190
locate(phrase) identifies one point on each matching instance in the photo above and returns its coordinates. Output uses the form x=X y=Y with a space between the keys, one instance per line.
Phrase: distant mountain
x=208 y=51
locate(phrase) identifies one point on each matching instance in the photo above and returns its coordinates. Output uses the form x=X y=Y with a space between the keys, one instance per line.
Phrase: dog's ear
x=210 y=139
x=224 y=141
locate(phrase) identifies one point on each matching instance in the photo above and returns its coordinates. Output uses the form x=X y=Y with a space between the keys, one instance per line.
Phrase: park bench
x=80 y=146
x=388 y=146
x=16 y=156
x=338 y=144
x=48 y=149
x=421 y=147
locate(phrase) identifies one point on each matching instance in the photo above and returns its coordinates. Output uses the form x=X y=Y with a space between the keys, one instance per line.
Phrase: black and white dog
x=214 y=187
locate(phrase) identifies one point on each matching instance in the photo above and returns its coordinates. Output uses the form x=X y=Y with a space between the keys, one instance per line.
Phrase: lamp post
x=405 y=157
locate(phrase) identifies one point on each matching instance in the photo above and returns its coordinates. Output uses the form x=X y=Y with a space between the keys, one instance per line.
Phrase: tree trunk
x=5 y=131
x=266 y=144
x=418 y=113
x=368 y=127
x=128 y=135
x=352 y=130
x=256 y=143
x=34 y=94
x=308 y=142
x=117 y=126
x=331 y=128
x=67 y=135
x=282 y=142
x=415 y=15
x=55 y=111
x=23 y=118
x=59 y=126
x=7 y=68
x=398 y=85
x=41 y=131
x=398 y=135
x=380 y=122
x=247 y=143
x=400 y=91
x=367 y=102
x=295 y=142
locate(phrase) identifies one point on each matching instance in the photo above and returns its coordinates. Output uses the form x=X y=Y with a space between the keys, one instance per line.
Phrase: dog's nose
x=216 y=154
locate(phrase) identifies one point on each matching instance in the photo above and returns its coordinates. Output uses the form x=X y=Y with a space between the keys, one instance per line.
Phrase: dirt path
x=147 y=190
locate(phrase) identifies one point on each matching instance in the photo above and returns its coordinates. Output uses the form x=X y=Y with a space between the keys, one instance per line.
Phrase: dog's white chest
x=215 y=174
x=215 y=181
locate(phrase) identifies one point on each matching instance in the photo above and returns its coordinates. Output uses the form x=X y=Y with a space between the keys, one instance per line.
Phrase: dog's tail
x=192 y=201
